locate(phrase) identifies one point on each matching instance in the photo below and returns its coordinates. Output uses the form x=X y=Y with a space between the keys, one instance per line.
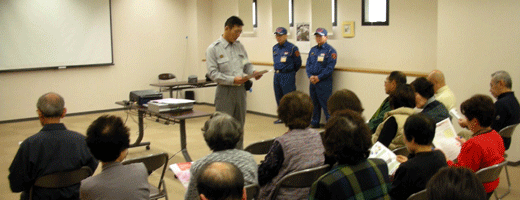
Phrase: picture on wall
x=302 y=32
x=302 y=37
x=348 y=29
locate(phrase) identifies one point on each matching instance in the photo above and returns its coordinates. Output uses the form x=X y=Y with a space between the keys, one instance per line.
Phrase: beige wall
x=475 y=40
x=409 y=44
x=466 y=40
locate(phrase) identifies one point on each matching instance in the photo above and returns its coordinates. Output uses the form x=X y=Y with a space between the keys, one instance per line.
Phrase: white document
x=379 y=150
x=257 y=73
x=445 y=139
x=455 y=113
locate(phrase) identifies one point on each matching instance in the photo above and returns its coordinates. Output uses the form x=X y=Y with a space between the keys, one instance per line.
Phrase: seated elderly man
x=507 y=109
x=395 y=79
x=108 y=140
x=53 y=149
x=222 y=133
x=425 y=100
x=443 y=93
x=221 y=180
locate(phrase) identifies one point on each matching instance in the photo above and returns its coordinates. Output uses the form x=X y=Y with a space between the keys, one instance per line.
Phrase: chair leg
x=508 y=185
x=165 y=191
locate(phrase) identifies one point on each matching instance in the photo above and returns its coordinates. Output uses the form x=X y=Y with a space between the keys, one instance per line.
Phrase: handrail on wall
x=351 y=69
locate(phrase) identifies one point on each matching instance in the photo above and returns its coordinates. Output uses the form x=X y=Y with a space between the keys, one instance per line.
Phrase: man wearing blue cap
x=320 y=65
x=287 y=62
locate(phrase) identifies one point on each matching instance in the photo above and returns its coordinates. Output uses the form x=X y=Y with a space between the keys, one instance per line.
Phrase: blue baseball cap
x=281 y=31
x=321 y=31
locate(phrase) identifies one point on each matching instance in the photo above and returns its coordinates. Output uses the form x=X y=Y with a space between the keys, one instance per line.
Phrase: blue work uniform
x=321 y=63
x=287 y=62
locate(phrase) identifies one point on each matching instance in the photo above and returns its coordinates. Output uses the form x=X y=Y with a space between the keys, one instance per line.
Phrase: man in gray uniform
x=227 y=62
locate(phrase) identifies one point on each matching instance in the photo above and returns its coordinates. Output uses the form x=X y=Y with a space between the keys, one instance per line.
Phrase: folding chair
x=507 y=132
x=61 y=179
x=300 y=179
x=421 y=195
x=401 y=151
x=252 y=191
x=152 y=163
x=490 y=173
x=260 y=147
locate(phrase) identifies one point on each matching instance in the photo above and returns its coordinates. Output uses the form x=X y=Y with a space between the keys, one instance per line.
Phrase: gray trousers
x=232 y=100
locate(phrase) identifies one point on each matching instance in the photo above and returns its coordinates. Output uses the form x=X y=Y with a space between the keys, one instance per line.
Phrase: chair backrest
x=421 y=195
x=490 y=173
x=260 y=147
x=401 y=151
x=152 y=163
x=62 y=179
x=252 y=191
x=300 y=179
x=507 y=131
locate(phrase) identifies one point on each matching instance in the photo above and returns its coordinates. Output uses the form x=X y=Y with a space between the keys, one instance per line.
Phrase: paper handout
x=379 y=150
x=445 y=139
x=257 y=73
x=182 y=172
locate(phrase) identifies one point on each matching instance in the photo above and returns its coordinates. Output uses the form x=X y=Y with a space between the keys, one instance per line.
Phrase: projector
x=143 y=96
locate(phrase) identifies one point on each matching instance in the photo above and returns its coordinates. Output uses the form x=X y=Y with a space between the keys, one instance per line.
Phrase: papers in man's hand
x=182 y=172
x=379 y=150
x=445 y=139
x=455 y=113
x=257 y=74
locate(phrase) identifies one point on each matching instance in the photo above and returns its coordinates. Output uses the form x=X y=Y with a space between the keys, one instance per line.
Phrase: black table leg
x=138 y=142
x=183 y=141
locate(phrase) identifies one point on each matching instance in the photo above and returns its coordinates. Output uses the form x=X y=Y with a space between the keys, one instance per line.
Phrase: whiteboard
x=37 y=34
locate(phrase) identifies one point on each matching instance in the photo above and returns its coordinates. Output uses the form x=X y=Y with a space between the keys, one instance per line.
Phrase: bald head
x=220 y=180
x=51 y=105
x=437 y=79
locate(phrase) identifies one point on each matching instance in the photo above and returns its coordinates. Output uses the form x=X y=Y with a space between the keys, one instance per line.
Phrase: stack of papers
x=170 y=105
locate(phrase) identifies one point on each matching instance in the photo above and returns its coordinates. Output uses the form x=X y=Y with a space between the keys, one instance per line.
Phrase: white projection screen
x=38 y=34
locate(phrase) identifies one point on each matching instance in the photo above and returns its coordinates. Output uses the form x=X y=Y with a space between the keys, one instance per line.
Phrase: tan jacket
x=400 y=115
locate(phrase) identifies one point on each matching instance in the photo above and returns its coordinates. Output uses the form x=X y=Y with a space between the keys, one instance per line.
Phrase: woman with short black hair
x=347 y=139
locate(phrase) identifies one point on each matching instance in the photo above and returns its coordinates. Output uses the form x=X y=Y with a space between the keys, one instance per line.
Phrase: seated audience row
x=345 y=145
